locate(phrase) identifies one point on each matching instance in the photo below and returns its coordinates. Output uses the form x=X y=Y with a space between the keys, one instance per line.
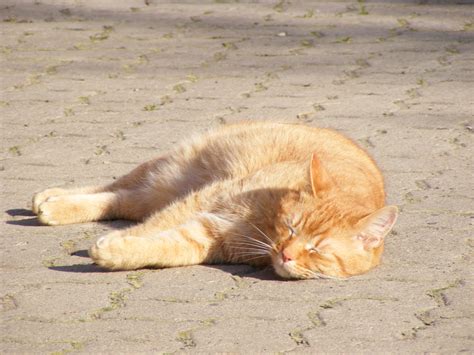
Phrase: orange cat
x=305 y=200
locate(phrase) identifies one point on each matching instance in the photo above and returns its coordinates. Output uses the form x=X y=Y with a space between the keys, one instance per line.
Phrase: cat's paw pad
x=101 y=242
x=55 y=210
x=42 y=196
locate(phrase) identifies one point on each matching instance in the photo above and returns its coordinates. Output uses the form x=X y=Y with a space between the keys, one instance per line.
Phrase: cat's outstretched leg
x=148 y=188
x=77 y=208
x=133 y=205
x=64 y=206
x=190 y=243
x=42 y=196
x=133 y=196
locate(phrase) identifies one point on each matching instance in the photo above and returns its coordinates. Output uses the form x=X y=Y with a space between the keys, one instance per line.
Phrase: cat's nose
x=285 y=256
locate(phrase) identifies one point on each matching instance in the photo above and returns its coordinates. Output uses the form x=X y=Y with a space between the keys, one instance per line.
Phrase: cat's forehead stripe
x=297 y=219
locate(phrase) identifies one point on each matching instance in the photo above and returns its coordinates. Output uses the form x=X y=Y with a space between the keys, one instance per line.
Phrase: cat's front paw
x=112 y=251
x=42 y=196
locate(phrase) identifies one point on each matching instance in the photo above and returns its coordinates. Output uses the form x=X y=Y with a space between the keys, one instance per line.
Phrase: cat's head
x=320 y=237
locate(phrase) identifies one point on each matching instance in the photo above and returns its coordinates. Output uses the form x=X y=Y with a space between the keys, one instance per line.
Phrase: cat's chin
x=283 y=271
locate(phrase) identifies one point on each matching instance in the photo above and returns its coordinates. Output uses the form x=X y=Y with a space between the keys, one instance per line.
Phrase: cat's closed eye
x=312 y=248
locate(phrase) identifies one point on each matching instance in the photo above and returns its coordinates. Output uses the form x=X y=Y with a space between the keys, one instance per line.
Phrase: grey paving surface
x=91 y=88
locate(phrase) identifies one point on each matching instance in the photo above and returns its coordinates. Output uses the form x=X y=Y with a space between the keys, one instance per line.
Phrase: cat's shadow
x=79 y=268
x=239 y=270
x=246 y=271
x=34 y=222
x=26 y=222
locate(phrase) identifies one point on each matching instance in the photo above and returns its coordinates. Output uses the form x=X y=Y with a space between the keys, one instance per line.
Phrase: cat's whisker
x=249 y=241
x=250 y=256
x=253 y=240
x=262 y=233
x=249 y=253
x=252 y=250
x=242 y=235
x=257 y=257
x=243 y=242
x=255 y=245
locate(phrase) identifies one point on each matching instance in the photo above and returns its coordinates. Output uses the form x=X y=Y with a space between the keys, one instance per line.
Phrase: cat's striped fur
x=306 y=200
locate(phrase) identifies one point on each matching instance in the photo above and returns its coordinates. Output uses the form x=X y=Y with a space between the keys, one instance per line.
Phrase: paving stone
x=91 y=89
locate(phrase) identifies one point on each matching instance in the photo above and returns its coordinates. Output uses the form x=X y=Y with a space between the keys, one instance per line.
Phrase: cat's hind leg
x=134 y=205
x=42 y=196
x=130 y=197
x=77 y=208
x=148 y=188
x=132 y=181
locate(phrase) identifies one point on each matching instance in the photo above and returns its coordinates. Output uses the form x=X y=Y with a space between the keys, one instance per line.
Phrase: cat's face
x=317 y=243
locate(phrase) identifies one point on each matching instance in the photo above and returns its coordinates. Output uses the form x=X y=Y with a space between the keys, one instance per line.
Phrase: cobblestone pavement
x=91 y=88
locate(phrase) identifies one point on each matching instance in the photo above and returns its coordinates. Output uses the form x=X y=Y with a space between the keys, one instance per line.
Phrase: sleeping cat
x=305 y=200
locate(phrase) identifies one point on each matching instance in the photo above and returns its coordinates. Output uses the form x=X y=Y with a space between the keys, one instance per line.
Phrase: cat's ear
x=321 y=182
x=376 y=226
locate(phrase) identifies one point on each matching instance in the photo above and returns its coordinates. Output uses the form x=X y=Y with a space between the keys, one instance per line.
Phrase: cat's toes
x=110 y=251
x=42 y=196
x=101 y=252
x=55 y=210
